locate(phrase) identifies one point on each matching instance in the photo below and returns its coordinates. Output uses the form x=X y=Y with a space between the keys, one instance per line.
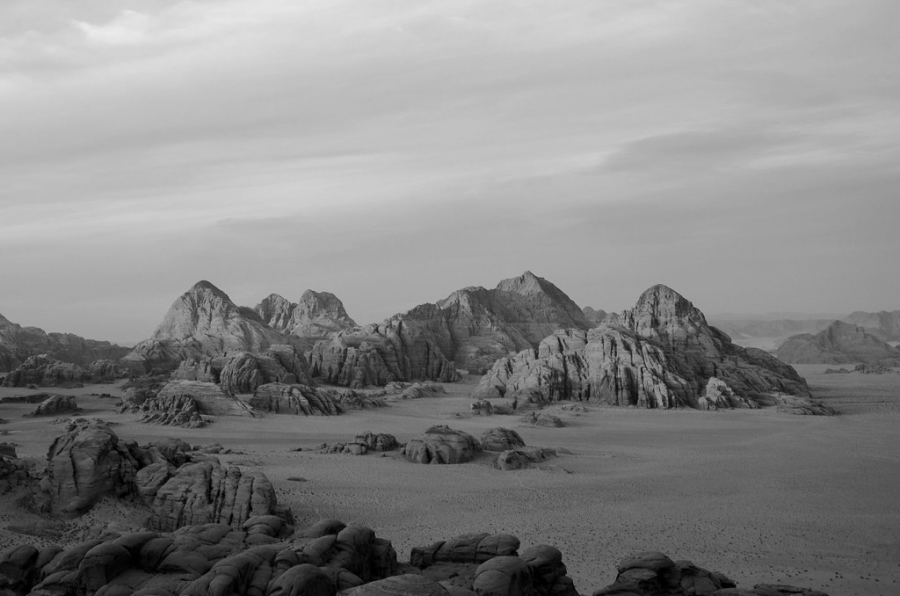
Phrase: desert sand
x=760 y=496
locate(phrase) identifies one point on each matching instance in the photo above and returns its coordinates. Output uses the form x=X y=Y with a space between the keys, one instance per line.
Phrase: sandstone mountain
x=316 y=315
x=660 y=354
x=205 y=323
x=474 y=326
x=884 y=325
x=839 y=343
x=18 y=343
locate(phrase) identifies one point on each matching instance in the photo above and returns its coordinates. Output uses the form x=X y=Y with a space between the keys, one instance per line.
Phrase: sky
x=744 y=153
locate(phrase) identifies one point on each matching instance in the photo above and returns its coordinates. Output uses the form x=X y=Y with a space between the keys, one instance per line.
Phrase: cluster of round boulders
x=501 y=439
x=542 y=419
x=179 y=486
x=56 y=405
x=442 y=445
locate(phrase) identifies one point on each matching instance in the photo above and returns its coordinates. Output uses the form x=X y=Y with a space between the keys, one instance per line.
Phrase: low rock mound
x=56 y=405
x=280 y=398
x=839 y=343
x=520 y=459
x=467 y=548
x=170 y=410
x=501 y=439
x=542 y=419
x=442 y=445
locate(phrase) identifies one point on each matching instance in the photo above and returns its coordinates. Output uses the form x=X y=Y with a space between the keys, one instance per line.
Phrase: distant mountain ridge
x=839 y=343
x=18 y=343
x=315 y=315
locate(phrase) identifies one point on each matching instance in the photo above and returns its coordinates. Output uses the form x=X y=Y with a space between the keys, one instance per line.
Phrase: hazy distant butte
x=839 y=343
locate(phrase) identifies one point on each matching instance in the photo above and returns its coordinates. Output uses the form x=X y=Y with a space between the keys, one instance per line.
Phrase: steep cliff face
x=839 y=343
x=475 y=326
x=315 y=316
x=659 y=354
x=18 y=343
x=204 y=322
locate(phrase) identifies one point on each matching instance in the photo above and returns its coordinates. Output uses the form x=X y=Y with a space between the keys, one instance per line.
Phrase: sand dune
x=761 y=496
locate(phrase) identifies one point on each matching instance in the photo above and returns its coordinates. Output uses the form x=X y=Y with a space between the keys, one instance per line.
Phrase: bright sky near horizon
x=744 y=153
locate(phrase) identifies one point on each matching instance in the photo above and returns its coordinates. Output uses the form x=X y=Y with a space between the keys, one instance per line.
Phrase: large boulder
x=442 y=445
x=501 y=439
x=204 y=492
x=56 y=405
x=85 y=464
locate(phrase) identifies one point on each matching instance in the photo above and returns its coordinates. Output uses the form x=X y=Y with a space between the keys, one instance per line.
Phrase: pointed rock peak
x=660 y=307
x=527 y=283
x=205 y=287
x=5 y=322
x=313 y=304
x=662 y=298
x=273 y=300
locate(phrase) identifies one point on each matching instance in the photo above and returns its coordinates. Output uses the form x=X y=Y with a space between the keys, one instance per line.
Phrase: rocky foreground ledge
x=267 y=557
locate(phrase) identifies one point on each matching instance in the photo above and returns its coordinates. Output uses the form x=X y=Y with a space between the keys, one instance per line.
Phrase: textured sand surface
x=761 y=496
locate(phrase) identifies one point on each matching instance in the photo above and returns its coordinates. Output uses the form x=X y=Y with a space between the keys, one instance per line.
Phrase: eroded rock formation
x=280 y=398
x=315 y=316
x=660 y=354
x=56 y=405
x=442 y=445
x=45 y=371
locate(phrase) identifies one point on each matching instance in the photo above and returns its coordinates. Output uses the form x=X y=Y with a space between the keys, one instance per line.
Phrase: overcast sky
x=746 y=153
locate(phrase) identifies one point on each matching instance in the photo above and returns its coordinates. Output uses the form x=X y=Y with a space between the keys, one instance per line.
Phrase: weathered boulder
x=653 y=573
x=204 y=492
x=211 y=400
x=13 y=471
x=719 y=395
x=171 y=409
x=245 y=372
x=659 y=354
x=56 y=405
x=441 y=445
x=104 y=371
x=85 y=464
x=280 y=398
x=503 y=576
x=400 y=585
x=482 y=407
x=377 y=441
x=501 y=439
x=45 y=371
x=466 y=548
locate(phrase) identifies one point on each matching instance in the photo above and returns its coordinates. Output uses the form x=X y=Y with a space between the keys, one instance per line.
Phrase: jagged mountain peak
x=527 y=283
x=660 y=305
x=203 y=286
x=4 y=322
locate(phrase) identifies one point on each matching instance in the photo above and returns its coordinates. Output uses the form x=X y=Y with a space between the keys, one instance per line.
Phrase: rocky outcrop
x=13 y=471
x=280 y=398
x=205 y=323
x=660 y=354
x=266 y=557
x=542 y=419
x=45 y=371
x=378 y=355
x=105 y=371
x=85 y=464
x=839 y=343
x=56 y=405
x=18 y=343
x=205 y=492
x=315 y=316
x=211 y=400
x=501 y=439
x=173 y=409
x=183 y=403
x=442 y=445
x=245 y=372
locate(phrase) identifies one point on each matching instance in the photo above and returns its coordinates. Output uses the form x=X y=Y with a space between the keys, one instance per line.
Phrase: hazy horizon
x=743 y=154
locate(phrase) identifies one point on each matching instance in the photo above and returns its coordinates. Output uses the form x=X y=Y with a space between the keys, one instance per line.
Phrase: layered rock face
x=18 y=343
x=475 y=326
x=839 y=343
x=660 y=354
x=316 y=315
x=304 y=400
x=204 y=322
x=378 y=355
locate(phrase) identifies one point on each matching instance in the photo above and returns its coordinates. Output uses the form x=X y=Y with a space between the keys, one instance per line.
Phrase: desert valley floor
x=811 y=501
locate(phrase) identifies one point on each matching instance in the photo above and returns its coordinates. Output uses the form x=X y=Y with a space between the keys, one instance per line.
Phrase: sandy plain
x=760 y=496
